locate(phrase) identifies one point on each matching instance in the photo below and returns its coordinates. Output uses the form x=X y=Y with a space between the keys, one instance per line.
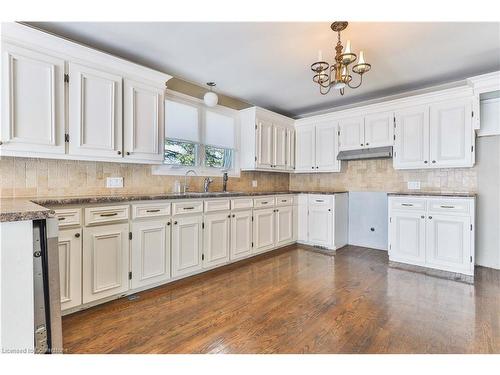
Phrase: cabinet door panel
x=95 y=112
x=379 y=130
x=32 y=101
x=327 y=147
x=279 y=147
x=284 y=225
x=320 y=226
x=407 y=237
x=70 y=267
x=150 y=253
x=186 y=244
x=105 y=261
x=351 y=133
x=143 y=121
x=449 y=243
x=264 y=144
x=263 y=230
x=241 y=234
x=290 y=149
x=305 y=156
x=216 y=239
x=412 y=138
x=451 y=134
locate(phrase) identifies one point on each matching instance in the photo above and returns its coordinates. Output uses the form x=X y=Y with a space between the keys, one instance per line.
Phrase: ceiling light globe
x=211 y=99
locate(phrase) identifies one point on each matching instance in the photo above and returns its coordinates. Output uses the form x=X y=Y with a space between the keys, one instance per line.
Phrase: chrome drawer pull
x=61 y=218
x=319 y=201
x=112 y=214
x=264 y=202
x=188 y=208
x=443 y=206
x=157 y=210
x=283 y=201
x=407 y=204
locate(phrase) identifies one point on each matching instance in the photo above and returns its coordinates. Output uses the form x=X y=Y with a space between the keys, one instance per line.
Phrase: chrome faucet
x=206 y=184
x=186 y=187
x=224 y=182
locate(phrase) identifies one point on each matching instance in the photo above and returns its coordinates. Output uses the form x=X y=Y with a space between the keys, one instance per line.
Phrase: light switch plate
x=114 y=182
x=413 y=185
x=254 y=183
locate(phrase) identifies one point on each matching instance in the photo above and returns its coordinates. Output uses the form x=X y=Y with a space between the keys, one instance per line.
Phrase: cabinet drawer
x=150 y=210
x=284 y=200
x=217 y=205
x=263 y=202
x=187 y=207
x=106 y=214
x=414 y=204
x=242 y=203
x=453 y=206
x=320 y=199
x=68 y=217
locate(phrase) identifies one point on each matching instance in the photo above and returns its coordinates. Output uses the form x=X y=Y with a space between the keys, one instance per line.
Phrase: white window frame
x=202 y=170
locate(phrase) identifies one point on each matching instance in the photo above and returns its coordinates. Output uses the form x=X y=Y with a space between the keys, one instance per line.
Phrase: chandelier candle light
x=338 y=75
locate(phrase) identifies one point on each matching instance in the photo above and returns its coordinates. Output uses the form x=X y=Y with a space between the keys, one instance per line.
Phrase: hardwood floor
x=298 y=301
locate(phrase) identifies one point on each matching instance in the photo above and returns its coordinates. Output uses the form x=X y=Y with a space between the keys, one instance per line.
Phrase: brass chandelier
x=338 y=75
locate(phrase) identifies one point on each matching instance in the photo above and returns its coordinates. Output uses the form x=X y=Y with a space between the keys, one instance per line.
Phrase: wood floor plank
x=295 y=300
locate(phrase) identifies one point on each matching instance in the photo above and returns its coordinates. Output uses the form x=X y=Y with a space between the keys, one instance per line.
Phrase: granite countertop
x=435 y=194
x=18 y=209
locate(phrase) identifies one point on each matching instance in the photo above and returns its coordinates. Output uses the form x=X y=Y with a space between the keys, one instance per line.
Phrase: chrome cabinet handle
x=77 y=235
x=168 y=223
x=188 y=208
x=422 y=217
x=264 y=202
x=119 y=152
x=443 y=206
x=175 y=222
x=407 y=204
x=319 y=200
x=430 y=217
x=61 y=218
x=112 y=214
x=433 y=161
x=425 y=161
x=155 y=210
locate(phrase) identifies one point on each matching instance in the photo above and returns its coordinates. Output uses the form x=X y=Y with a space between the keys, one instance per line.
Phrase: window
x=198 y=138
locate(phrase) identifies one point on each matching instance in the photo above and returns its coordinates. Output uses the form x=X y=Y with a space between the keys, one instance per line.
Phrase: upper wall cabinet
x=112 y=110
x=95 y=112
x=439 y=135
x=267 y=141
x=374 y=130
x=32 y=101
x=317 y=148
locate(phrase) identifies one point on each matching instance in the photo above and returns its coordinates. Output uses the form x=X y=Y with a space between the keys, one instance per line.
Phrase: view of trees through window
x=185 y=153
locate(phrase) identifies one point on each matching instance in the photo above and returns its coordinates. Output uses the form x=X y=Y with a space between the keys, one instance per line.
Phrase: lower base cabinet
x=216 y=239
x=433 y=232
x=150 y=252
x=105 y=261
x=263 y=230
x=70 y=267
x=241 y=234
x=187 y=244
x=284 y=225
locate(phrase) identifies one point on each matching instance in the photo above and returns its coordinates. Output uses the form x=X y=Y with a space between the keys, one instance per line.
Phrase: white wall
x=368 y=210
x=488 y=202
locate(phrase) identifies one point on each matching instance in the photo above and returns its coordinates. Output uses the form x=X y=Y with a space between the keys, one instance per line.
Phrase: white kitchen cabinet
x=265 y=140
x=279 y=147
x=216 y=241
x=351 y=133
x=70 y=267
x=187 y=244
x=143 y=122
x=379 y=130
x=327 y=147
x=407 y=236
x=284 y=225
x=449 y=242
x=95 y=112
x=150 y=252
x=411 y=148
x=320 y=224
x=451 y=134
x=32 y=101
x=433 y=232
x=305 y=159
x=317 y=148
x=263 y=230
x=241 y=234
x=290 y=149
x=105 y=261
x=265 y=152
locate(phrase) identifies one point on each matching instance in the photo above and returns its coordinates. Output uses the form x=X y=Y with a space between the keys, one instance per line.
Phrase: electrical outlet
x=413 y=185
x=114 y=182
x=254 y=183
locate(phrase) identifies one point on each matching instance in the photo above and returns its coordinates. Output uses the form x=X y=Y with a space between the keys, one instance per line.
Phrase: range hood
x=366 y=153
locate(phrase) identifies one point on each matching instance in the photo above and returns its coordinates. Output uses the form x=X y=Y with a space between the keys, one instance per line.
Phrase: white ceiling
x=268 y=64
